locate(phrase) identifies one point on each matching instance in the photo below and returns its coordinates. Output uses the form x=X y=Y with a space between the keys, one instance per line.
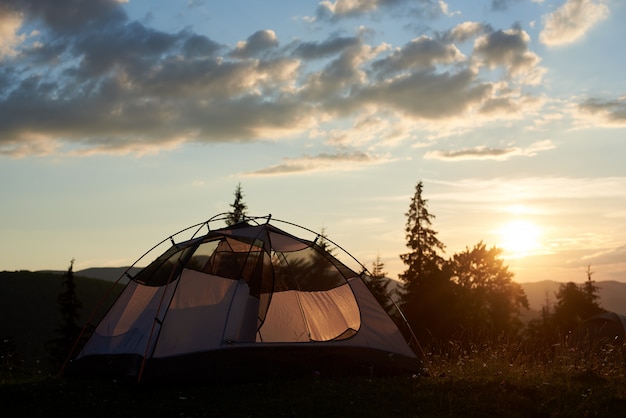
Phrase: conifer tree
x=575 y=303
x=423 y=257
x=427 y=288
x=239 y=208
x=69 y=330
x=379 y=284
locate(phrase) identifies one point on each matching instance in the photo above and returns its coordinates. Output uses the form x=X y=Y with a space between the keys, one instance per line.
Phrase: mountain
x=109 y=274
x=29 y=311
x=612 y=294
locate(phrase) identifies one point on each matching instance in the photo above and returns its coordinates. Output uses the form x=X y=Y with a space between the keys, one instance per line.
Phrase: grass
x=485 y=381
x=491 y=380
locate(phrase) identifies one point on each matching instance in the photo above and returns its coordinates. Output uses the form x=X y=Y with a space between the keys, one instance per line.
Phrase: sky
x=123 y=122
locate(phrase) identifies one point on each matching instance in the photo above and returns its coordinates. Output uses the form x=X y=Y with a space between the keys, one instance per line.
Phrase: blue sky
x=122 y=122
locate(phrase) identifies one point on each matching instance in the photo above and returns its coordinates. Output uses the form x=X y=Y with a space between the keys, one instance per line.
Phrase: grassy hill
x=29 y=313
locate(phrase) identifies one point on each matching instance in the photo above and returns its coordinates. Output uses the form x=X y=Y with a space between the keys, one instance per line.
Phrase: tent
x=601 y=329
x=246 y=300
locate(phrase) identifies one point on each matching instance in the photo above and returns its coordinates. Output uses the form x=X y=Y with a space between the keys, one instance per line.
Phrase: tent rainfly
x=247 y=300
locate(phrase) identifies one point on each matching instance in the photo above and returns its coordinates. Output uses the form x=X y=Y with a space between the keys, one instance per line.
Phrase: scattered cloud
x=256 y=44
x=10 y=22
x=501 y=5
x=322 y=162
x=423 y=52
x=326 y=48
x=486 y=153
x=329 y=10
x=605 y=112
x=466 y=31
x=509 y=49
x=608 y=256
x=572 y=21
x=95 y=81
x=342 y=8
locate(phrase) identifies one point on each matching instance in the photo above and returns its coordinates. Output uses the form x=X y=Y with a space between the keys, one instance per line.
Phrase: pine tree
x=238 y=212
x=575 y=303
x=379 y=284
x=69 y=330
x=423 y=258
x=325 y=244
x=427 y=288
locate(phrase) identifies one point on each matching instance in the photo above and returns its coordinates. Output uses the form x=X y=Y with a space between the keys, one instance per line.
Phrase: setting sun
x=519 y=238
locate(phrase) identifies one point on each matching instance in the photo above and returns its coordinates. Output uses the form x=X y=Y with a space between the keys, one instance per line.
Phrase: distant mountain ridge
x=612 y=294
x=110 y=274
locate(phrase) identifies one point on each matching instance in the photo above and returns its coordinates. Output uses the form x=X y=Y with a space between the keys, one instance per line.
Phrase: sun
x=519 y=238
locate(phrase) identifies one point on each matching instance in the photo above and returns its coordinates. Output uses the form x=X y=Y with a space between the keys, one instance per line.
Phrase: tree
x=489 y=301
x=427 y=288
x=423 y=258
x=69 y=330
x=378 y=283
x=324 y=243
x=238 y=212
x=575 y=303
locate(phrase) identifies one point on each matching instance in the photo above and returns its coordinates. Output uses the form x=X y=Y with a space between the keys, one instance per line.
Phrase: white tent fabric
x=249 y=286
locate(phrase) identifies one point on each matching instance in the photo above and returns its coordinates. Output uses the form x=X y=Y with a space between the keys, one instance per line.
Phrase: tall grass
x=496 y=379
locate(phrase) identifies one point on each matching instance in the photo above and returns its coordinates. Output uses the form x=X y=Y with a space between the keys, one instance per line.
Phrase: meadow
x=487 y=381
x=501 y=379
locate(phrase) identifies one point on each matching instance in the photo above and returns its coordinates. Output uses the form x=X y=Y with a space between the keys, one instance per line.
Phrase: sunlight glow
x=519 y=238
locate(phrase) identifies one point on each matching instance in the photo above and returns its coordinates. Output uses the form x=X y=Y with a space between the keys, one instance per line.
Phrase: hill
x=110 y=274
x=612 y=294
x=29 y=313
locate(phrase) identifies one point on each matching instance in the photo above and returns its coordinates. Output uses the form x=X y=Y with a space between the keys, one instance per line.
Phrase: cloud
x=328 y=10
x=105 y=83
x=610 y=113
x=423 y=52
x=500 y=5
x=323 y=49
x=610 y=256
x=352 y=8
x=429 y=95
x=256 y=43
x=486 y=153
x=572 y=21
x=509 y=49
x=466 y=31
x=10 y=22
x=68 y=16
x=344 y=161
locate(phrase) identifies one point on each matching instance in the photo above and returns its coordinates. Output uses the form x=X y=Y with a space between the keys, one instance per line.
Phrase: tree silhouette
x=427 y=289
x=489 y=301
x=575 y=303
x=69 y=330
x=378 y=283
x=239 y=208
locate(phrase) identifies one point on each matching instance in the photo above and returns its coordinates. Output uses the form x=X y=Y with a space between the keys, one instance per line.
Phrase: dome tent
x=246 y=300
